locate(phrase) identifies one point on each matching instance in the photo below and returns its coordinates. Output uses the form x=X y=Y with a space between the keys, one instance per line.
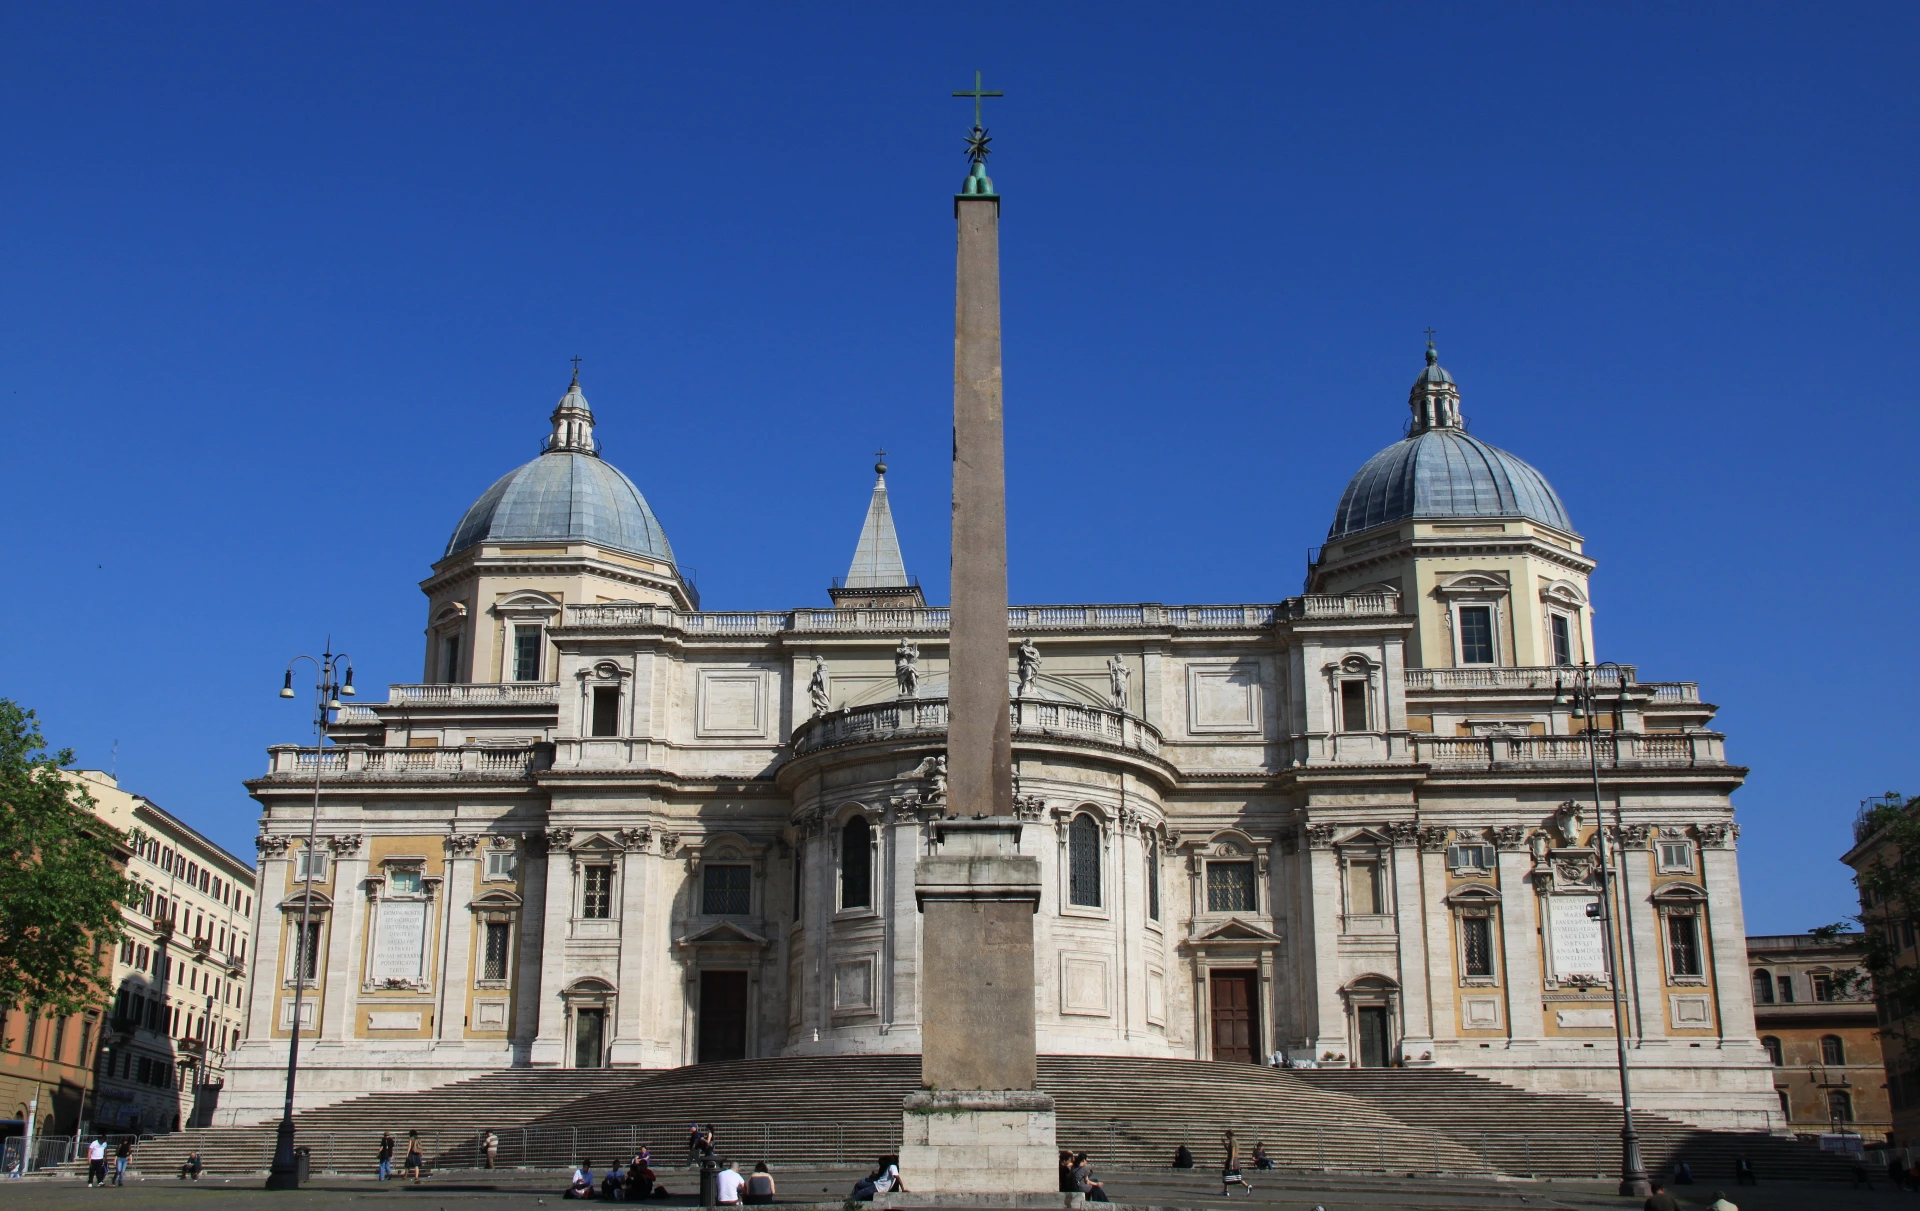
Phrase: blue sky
x=288 y=286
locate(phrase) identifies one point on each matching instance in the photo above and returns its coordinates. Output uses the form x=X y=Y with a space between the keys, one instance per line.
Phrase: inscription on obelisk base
x=978 y=1131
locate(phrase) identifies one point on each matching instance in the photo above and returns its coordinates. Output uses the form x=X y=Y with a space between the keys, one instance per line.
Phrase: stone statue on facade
x=1118 y=675
x=934 y=770
x=817 y=691
x=1029 y=667
x=906 y=667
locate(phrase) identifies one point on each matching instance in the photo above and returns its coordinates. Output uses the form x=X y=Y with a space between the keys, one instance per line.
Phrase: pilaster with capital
x=340 y=982
x=549 y=1044
x=456 y=956
x=1726 y=930
x=1520 y=937
x=1410 y=909
x=269 y=947
x=636 y=883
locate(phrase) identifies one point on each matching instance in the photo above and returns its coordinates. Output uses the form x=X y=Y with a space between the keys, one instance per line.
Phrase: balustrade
x=477 y=693
x=1629 y=748
x=907 y=717
x=1019 y=618
x=385 y=762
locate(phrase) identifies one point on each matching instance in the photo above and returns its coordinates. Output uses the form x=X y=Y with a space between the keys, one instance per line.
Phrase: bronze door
x=1373 y=1036
x=723 y=1016
x=1236 y=1016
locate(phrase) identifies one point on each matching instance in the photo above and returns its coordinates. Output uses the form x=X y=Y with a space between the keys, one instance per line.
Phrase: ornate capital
x=1433 y=838
x=1031 y=808
x=1402 y=832
x=559 y=838
x=269 y=845
x=1717 y=835
x=1510 y=836
x=344 y=844
x=1633 y=836
x=636 y=839
x=1319 y=836
x=460 y=845
x=669 y=844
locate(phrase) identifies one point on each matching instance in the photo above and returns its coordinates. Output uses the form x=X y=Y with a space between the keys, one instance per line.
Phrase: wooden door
x=1373 y=1036
x=1236 y=1016
x=723 y=1016
x=589 y=1035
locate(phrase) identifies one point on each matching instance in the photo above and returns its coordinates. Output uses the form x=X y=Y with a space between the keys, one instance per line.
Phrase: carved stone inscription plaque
x=1577 y=946
x=400 y=945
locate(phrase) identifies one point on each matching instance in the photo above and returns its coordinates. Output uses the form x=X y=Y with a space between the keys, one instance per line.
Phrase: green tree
x=61 y=891
x=1889 y=882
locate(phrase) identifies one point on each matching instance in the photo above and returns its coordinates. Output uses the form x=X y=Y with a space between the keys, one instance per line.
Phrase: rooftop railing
x=1545 y=677
x=1615 y=750
x=906 y=718
x=1019 y=618
x=372 y=761
x=477 y=693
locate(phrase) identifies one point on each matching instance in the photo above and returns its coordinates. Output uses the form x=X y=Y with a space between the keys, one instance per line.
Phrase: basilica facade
x=1352 y=827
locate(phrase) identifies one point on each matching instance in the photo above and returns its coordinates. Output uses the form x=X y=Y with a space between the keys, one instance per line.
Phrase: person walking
x=122 y=1156
x=415 y=1160
x=490 y=1145
x=1743 y=1174
x=726 y=1185
x=386 y=1156
x=1230 y=1167
x=760 y=1188
x=97 y=1162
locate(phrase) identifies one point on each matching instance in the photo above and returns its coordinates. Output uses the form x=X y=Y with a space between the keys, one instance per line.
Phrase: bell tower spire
x=1435 y=399
x=572 y=421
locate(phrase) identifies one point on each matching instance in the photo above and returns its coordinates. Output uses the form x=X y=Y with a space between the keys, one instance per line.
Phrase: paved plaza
x=478 y=1190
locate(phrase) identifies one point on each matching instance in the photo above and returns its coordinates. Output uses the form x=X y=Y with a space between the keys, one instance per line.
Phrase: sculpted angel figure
x=1118 y=674
x=934 y=770
x=906 y=667
x=817 y=689
x=1029 y=667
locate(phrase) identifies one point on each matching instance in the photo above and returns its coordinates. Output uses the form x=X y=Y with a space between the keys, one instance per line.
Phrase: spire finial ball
x=880 y=462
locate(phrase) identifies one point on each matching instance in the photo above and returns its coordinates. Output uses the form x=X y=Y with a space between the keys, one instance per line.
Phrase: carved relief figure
x=906 y=667
x=934 y=770
x=817 y=691
x=1029 y=666
x=1566 y=822
x=1117 y=675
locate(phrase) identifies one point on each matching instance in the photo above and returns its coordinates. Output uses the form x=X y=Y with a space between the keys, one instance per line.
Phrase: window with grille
x=606 y=710
x=596 y=892
x=306 y=959
x=1762 y=988
x=1229 y=887
x=1153 y=879
x=1476 y=634
x=726 y=890
x=1562 y=639
x=314 y=860
x=1683 y=944
x=1676 y=856
x=1476 y=944
x=1832 y=1050
x=856 y=864
x=1083 y=862
x=1774 y=1055
x=499 y=938
x=1353 y=706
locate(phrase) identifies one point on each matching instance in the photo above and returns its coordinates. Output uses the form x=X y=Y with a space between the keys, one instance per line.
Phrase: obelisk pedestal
x=977 y=1131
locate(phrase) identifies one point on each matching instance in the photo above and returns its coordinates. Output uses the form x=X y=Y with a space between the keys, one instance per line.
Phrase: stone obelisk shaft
x=979 y=744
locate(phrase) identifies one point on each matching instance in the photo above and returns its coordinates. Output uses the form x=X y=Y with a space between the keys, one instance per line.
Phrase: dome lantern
x=1435 y=399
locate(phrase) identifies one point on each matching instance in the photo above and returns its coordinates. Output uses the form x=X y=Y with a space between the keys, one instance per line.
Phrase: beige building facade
x=1350 y=827
x=1816 y=1019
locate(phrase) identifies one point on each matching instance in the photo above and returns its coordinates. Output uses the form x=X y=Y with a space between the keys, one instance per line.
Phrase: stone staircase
x=844 y=1110
x=1566 y=1135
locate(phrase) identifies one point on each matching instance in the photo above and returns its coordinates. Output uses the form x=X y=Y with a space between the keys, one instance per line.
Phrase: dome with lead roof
x=1440 y=471
x=568 y=494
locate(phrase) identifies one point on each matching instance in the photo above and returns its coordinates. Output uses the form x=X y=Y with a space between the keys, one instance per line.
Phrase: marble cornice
x=1434 y=546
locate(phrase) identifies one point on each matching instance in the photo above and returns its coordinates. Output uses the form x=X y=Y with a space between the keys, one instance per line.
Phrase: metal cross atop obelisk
x=977 y=1123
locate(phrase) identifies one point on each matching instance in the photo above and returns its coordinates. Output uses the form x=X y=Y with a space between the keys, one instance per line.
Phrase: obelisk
x=977 y=1124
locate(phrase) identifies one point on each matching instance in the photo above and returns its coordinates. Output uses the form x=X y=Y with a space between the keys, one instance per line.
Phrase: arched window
x=1762 y=987
x=856 y=864
x=1839 y=1106
x=1083 y=862
x=1774 y=1055
x=1832 y=1050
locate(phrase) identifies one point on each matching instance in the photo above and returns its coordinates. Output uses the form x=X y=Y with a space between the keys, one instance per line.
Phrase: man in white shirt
x=97 y=1162
x=726 y=1185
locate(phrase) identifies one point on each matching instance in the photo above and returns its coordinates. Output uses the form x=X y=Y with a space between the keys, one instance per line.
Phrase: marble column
x=1329 y=1027
x=1520 y=940
x=456 y=938
x=339 y=989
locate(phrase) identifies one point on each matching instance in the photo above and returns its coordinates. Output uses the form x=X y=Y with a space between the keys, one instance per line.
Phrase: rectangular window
x=1823 y=988
x=1153 y=879
x=500 y=863
x=1476 y=938
x=1476 y=634
x=726 y=890
x=596 y=892
x=526 y=653
x=450 y=658
x=1683 y=941
x=1562 y=639
x=403 y=882
x=306 y=962
x=1363 y=889
x=1785 y=985
x=1470 y=856
x=1353 y=706
x=310 y=859
x=606 y=710
x=498 y=939
x=1676 y=856
x=1229 y=887
x=799 y=878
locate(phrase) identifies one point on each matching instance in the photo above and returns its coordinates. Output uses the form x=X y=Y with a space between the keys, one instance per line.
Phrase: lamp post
x=329 y=688
x=1585 y=692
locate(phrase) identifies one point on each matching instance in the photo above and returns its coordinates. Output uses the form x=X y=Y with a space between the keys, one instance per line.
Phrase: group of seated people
x=1076 y=1177
x=631 y=1184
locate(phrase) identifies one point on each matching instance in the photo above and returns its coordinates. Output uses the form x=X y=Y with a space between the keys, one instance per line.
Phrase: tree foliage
x=1889 y=882
x=61 y=889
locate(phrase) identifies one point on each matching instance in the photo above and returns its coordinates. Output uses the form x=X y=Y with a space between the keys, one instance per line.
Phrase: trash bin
x=302 y=1164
